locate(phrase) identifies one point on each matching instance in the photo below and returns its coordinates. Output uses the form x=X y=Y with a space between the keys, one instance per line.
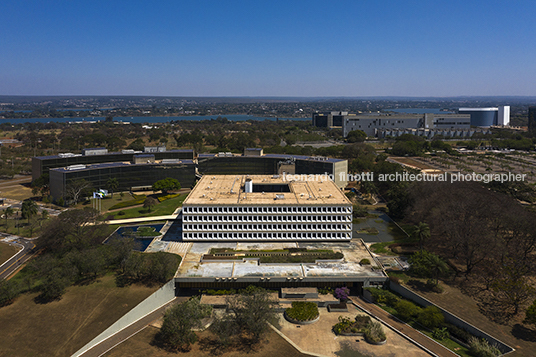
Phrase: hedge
x=302 y=311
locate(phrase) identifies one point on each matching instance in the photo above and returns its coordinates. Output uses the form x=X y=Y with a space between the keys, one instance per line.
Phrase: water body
x=146 y=119
x=418 y=110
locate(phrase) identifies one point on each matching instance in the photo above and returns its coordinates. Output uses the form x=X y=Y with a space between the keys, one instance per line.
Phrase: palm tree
x=112 y=184
x=421 y=231
x=8 y=212
x=437 y=266
x=29 y=208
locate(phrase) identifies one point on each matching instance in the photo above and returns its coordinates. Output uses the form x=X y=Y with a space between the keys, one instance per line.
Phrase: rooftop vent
x=279 y=197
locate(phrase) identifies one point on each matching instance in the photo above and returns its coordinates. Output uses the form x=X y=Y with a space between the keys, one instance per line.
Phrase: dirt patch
x=141 y=345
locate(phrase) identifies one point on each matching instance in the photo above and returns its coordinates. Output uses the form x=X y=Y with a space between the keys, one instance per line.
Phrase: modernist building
x=42 y=164
x=329 y=119
x=486 y=117
x=141 y=173
x=266 y=208
x=375 y=125
x=270 y=164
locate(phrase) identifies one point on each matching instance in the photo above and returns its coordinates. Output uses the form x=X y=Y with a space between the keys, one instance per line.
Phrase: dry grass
x=141 y=345
x=7 y=251
x=62 y=327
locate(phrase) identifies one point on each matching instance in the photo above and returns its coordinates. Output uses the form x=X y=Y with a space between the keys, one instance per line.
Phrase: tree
x=250 y=311
x=406 y=309
x=356 y=136
x=530 y=315
x=44 y=216
x=76 y=188
x=8 y=212
x=150 y=202
x=166 y=185
x=421 y=232
x=176 y=332
x=430 y=317
x=8 y=291
x=29 y=209
x=112 y=184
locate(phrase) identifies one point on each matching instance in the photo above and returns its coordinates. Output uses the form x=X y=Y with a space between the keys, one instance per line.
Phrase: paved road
x=10 y=266
x=398 y=326
x=141 y=219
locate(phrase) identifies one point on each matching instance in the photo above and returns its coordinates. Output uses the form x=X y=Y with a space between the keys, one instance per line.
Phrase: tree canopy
x=167 y=184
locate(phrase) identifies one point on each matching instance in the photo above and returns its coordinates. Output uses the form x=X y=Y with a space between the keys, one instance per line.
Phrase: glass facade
x=42 y=164
x=128 y=175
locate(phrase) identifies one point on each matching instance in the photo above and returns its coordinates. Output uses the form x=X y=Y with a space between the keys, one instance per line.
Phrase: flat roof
x=118 y=164
x=107 y=154
x=229 y=190
x=193 y=267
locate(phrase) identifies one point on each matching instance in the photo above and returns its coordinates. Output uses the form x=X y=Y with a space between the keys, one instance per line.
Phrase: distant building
x=486 y=117
x=329 y=119
x=379 y=125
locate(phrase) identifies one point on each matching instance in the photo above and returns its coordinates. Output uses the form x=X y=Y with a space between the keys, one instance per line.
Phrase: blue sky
x=268 y=48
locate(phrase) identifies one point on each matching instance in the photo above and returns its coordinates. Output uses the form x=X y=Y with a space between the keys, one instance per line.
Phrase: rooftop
x=302 y=190
x=193 y=267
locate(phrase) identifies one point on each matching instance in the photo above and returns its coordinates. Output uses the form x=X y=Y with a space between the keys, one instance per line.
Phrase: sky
x=268 y=48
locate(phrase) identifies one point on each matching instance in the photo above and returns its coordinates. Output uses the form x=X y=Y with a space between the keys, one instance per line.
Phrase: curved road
x=13 y=263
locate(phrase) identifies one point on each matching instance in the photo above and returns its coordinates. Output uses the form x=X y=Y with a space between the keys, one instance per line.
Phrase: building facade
x=42 y=164
x=266 y=208
x=375 y=125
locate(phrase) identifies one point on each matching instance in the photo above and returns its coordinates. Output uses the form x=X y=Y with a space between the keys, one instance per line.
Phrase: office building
x=266 y=208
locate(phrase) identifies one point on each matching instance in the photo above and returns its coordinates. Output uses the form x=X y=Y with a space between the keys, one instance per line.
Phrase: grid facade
x=271 y=223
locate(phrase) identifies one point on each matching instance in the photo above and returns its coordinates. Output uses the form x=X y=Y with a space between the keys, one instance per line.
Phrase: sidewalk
x=432 y=347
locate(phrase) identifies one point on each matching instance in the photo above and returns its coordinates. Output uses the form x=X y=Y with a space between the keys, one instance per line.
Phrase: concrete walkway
x=141 y=219
x=128 y=332
x=433 y=348
x=319 y=339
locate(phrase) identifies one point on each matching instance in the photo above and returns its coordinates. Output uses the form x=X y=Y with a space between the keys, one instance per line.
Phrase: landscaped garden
x=430 y=321
x=302 y=312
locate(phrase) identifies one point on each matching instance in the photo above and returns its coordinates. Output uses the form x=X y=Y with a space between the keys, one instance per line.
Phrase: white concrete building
x=266 y=208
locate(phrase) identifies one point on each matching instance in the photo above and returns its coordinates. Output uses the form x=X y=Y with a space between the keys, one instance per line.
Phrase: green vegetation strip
x=162 y=209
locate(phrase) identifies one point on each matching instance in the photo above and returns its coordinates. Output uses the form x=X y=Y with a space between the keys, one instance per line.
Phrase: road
x=11 y=265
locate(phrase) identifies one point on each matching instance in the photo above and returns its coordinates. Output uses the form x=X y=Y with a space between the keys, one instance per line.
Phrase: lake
x=417 y=110
x=146 y=119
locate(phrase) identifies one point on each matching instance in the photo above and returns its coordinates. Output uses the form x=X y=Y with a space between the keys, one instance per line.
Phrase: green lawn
x=164 y=208
x=7 y=251
x=62 y=327
x=382 y=248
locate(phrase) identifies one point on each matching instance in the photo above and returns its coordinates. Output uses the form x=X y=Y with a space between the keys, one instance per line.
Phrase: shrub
x=374 y=332
x=219 y=292
x=364 y=261
x=121 y=213
x=440 y=333
x=482 y=348
x=406 y=309
x=346 y=325
x=167 y=197
x=382 y=296
x=458 y=332
x=302 y=311
x=430 y=317
x=342 y=293
x=325 y=290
